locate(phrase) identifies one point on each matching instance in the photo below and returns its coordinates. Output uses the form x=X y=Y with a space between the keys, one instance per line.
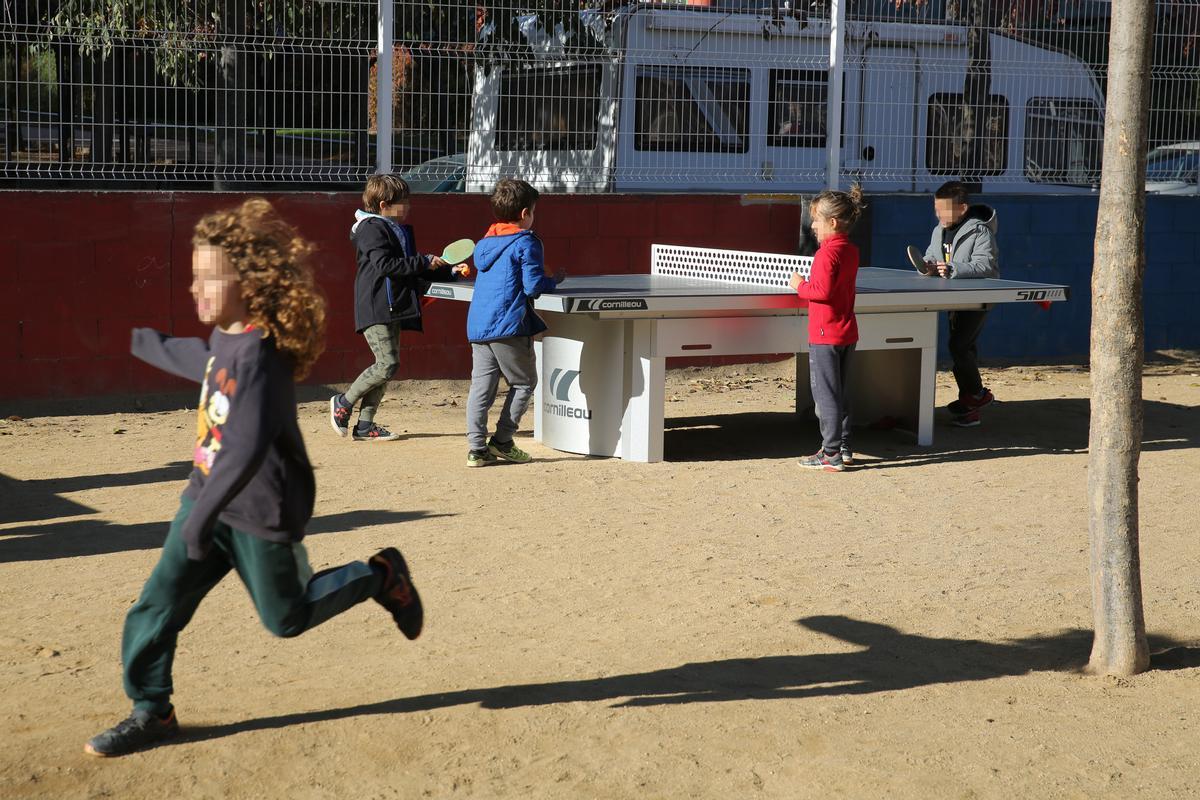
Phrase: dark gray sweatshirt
x=250 y=468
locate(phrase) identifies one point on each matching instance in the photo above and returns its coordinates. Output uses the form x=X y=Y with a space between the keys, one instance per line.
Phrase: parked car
x=442 y=174
x=1173 y=168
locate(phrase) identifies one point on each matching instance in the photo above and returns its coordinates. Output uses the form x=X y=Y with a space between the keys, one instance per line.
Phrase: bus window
x=692 y=109
x=798 y=104
x=946 y=145
x=549 y=109
x=1063 y=140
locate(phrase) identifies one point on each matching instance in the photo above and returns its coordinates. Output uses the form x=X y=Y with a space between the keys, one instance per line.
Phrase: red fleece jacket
x=829 y=291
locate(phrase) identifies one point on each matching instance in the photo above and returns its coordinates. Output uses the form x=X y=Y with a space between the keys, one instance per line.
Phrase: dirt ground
x=719 y=625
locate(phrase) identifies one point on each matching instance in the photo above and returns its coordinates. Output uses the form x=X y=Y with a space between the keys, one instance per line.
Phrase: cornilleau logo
x=561 y=381
x=440 y=291
x=613 y=304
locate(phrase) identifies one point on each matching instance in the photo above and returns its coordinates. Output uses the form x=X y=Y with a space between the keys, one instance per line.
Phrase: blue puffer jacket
x=510 y=275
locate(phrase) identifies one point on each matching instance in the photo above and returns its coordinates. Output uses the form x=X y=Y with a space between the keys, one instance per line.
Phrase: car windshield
x=434 y=175
x=1172 y=165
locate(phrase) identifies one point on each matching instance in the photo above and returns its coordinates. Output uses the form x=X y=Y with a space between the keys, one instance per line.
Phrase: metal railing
x=726 y=95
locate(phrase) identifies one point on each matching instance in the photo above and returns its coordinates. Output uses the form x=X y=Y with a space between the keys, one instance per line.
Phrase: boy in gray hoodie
x=963 y=245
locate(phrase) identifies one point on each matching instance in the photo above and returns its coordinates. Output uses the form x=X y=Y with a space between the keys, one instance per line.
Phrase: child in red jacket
x=832 y=328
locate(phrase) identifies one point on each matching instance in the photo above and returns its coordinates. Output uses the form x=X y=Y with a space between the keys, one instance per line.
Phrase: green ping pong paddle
x=458 y=252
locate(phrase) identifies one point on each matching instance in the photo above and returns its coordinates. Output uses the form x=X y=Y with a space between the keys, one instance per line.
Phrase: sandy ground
x=722 y=624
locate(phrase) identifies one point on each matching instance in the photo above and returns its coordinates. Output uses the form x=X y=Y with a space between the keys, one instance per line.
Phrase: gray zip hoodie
x=973 y=252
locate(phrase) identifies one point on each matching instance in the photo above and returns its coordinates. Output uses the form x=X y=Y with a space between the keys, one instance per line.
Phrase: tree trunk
x=231 y=96
x=977 y=89
x=1115 y=435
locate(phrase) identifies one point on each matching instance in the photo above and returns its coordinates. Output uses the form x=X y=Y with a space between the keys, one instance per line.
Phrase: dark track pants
x=965 y=327
x=289 y=599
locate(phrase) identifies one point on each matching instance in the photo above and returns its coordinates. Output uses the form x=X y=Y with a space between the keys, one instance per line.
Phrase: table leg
x=644 y=393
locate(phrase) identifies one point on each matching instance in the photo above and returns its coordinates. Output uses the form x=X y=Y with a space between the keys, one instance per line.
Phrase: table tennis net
x=727 y=266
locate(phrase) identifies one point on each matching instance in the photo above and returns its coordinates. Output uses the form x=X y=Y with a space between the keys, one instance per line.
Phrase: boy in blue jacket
x=501 y=323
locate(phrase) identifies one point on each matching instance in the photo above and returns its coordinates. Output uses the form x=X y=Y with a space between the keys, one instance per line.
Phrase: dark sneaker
x=373 y=433
x=847 y=456
x=509 y=452
x=971 y=402
x=398 y=594
x=141 y=729
x=481 y=458
x=824 y=461
x=339 y=414
x=967 y=420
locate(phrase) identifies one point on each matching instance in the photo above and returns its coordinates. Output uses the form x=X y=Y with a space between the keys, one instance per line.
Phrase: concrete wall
x=78 y=270
x=1051 y=239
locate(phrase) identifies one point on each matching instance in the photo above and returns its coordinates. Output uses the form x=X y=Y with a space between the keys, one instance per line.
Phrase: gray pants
x=384 y=341
x=828 y=366
x=513 y=357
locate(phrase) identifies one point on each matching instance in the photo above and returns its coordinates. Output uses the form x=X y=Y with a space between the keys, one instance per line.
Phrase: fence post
x=383 y=90
x=833 y=114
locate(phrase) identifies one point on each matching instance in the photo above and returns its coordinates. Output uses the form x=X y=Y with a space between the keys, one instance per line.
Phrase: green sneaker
x=481 y=458
x=509 y=452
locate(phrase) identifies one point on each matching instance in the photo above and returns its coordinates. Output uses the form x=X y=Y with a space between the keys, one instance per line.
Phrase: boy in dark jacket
x=963 y=245
x=392 y=276
x=501 y=322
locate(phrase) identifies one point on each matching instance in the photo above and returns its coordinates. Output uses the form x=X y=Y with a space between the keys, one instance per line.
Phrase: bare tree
x=1117 y=351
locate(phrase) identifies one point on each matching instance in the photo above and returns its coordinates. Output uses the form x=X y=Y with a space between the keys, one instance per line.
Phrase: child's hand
x=463 y=270
x=942 y=268
x=560 y=276
x=795 y=280
x=436 y=262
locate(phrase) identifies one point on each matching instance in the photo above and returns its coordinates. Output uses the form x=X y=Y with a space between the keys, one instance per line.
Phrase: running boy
x=251 y=490
x=501 y=322
x=832 y=326
x=963 y=245
x=392 y=276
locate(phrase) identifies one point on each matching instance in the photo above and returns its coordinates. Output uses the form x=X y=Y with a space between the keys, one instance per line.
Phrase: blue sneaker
x=339 y=415
x=373 y=433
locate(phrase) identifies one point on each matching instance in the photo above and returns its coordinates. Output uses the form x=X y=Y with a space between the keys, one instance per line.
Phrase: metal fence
x=726 y=95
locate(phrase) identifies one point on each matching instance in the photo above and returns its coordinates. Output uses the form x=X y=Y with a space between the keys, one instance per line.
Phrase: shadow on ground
x=97 y=537
x=29 y=501
x=1009 y=429
x=888 y=660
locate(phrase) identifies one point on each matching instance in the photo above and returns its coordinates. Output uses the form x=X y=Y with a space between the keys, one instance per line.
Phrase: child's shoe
x=971 y=402
x=481 y=458
x=967 y=420
x=398 y=594
x=824 y=461
x=139 y=730
x=509 y=452
x=373 y=433
x=339 y=414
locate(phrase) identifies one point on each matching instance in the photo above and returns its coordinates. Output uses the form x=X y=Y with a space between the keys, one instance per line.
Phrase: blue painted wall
x=1050 y=239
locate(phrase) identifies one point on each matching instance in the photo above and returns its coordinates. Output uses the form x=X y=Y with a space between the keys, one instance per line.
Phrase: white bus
x=691 y=99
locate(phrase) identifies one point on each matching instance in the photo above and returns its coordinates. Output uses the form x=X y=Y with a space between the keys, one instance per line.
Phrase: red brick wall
x=80 y=269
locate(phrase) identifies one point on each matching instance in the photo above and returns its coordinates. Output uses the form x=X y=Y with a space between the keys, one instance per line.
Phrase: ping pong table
x=601 y=366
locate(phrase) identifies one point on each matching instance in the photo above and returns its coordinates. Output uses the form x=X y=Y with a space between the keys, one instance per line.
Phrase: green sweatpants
x=289 y=599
